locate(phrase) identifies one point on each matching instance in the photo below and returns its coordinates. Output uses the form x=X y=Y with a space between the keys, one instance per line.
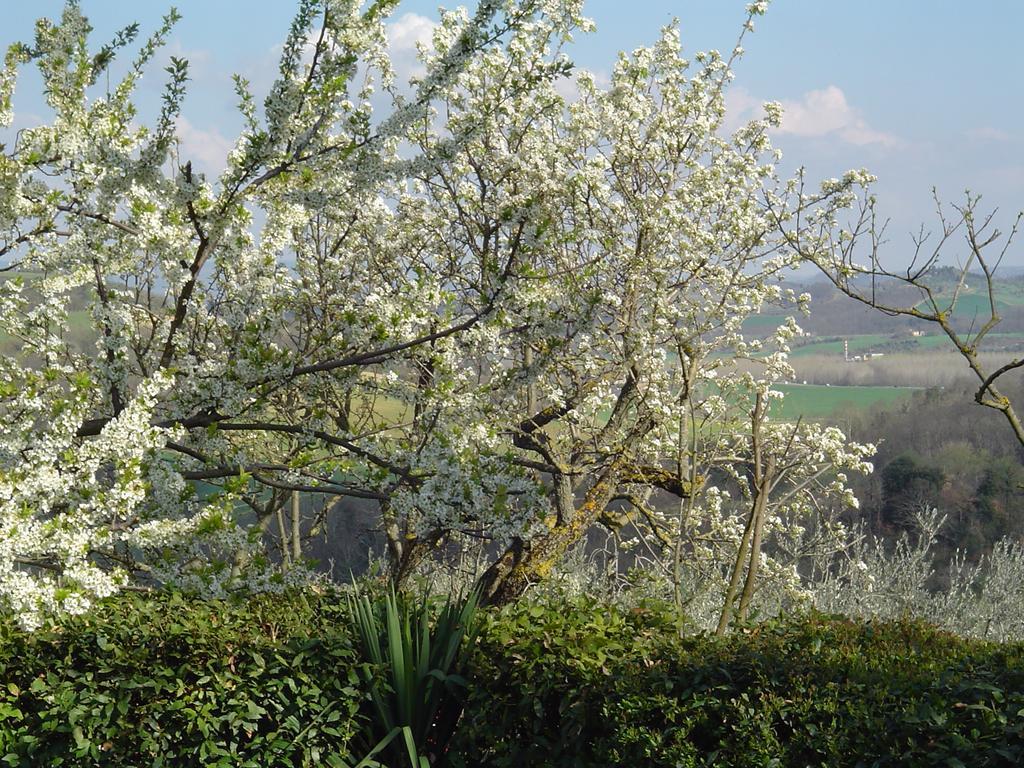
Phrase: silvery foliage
x=875 y=579
x=368 y=306
x=860 y=576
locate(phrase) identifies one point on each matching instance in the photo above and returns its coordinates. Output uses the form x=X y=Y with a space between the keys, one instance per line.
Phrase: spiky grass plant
x=413 y=654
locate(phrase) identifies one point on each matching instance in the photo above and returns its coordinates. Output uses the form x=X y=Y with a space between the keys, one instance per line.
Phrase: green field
x=978 y=304
x=79 y=332
x=975 y=299
x=858 y=344
x=816 y=402
x=763 y=322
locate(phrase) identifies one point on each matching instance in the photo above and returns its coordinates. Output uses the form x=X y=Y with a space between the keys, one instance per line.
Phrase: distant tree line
x=939 y=450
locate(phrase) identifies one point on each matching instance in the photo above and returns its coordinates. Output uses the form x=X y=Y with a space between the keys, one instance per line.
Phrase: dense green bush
x=170 y=681
x=593 y=687
x=165 y=680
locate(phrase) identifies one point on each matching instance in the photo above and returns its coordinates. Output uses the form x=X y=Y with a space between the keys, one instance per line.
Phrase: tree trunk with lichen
x=527 y=563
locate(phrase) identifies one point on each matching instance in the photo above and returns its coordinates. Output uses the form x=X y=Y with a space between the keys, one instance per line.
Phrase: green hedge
x=589 y=687
x=171 y=681
x=166 y=681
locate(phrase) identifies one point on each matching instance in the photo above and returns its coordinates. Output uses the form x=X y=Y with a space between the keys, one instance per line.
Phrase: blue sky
x=921 y=92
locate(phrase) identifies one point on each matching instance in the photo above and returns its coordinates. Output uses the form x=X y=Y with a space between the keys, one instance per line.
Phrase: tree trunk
x=755 y=545
x=734 y=577
x=296 y=527
x=524 y=564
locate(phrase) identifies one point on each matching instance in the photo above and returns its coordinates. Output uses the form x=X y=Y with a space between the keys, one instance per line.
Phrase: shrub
x=165 y=680
x=593 y=687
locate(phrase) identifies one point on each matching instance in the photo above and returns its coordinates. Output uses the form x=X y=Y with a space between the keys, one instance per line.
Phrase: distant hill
x=835 y=314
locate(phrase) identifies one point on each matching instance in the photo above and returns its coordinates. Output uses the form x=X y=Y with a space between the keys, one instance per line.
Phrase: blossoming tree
x=492 y=313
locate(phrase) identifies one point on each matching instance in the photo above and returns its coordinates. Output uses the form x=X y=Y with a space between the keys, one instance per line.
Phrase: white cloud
x=408 y=31
x=208 y=149
x=816 y=114
x=827 y=113
x=740 y=106
x=405 y=35
x=201 y=65
x=568 y=87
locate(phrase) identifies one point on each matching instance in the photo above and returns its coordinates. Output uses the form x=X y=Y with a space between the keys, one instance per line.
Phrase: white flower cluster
x=474 y=311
